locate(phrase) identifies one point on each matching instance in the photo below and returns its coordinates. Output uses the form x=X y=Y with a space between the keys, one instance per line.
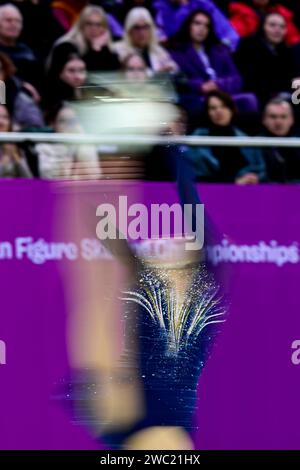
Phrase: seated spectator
x=67 y=13
x=141 y=86
x=265 y=61
x=90 y=38
x=207 y=65
x=171 y=14
x=66 y=76
x=283 y=163
x=22 y=56
x=62 y=160
x=24 y=110
x=12 y=161
x=135 y=68
x=40 y=27
x=137 y=76
x=247 y=18
x=140 y=36
x=241 y=165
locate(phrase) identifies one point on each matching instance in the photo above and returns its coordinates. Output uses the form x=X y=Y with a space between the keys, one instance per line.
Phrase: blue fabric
x=206 y=165
x=116 y=28
x=206 y=62
x=169 y=378
x=190 y=63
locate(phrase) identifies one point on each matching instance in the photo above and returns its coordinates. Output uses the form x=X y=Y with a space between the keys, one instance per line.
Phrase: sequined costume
x=172 y=336
x=174 y=341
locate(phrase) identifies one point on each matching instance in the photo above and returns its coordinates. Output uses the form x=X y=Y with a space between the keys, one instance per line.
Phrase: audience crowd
x=230 y=64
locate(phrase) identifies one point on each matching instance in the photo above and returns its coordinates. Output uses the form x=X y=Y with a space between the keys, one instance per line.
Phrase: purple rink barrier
x=249 y=389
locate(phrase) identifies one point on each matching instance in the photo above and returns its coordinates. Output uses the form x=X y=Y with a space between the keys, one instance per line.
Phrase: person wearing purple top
x=171 y=14
x=207 y=65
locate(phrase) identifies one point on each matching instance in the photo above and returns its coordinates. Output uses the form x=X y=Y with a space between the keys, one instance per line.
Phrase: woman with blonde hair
x=141 y=36
x=90 y=37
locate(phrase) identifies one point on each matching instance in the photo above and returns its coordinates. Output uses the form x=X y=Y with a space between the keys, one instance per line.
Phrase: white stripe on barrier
x=18 y=137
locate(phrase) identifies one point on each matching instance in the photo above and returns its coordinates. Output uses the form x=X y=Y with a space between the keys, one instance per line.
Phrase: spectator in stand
x=265 y=61
x=171 y=14
x=247 y=18
x=24 y=110
x=11 y=23
x=67 y=13
x=62 y=160
x=40 y=28
x=90 y=37
x=283 y=164
x=140 y=36
x=225 y=164
x=65 y=77
x=207 y=65
x=140 y=84
x=12 y=161
x=135 y=68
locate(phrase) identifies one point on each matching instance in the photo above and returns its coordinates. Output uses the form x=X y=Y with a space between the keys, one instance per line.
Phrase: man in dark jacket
x=11 y=23
x=283 y=164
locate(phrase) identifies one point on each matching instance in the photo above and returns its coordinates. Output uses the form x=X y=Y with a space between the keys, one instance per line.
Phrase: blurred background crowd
x=229 y=66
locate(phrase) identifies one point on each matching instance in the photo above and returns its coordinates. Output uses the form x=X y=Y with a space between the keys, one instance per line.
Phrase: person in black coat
x=11 y=24
x=282 y=163
x=264 y=60
x=90 y=38
x=40 y=27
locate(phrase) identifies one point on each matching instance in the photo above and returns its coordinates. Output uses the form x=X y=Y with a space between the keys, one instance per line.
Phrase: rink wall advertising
x=248 y=393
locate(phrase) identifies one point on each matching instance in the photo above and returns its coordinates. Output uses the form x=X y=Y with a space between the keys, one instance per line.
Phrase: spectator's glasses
x=94 y=24
x=141 y=27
